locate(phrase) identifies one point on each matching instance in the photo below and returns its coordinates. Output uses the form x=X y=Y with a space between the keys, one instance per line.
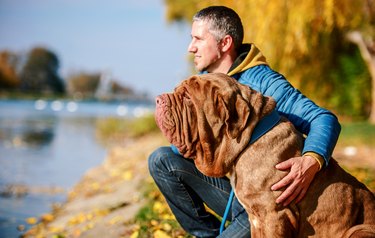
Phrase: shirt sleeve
x=319 y=125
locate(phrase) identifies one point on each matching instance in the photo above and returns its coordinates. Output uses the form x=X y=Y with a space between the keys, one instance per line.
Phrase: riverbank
x=108 y=197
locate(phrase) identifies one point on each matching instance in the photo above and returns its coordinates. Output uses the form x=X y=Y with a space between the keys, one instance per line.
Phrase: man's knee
x=156 y=158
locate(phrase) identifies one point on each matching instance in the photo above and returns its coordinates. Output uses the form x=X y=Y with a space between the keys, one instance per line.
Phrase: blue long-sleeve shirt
x=320 y=125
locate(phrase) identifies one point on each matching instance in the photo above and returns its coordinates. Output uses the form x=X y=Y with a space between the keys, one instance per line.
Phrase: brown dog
x=210 y=119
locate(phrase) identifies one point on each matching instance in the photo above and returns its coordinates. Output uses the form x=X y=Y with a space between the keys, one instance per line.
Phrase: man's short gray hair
x=222 y=21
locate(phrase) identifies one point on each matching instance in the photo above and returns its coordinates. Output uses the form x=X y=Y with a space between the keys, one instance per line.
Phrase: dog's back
x=334 y=205
x=335 y=202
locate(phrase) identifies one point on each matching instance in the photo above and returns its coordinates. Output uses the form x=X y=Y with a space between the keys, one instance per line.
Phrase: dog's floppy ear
x=237 y=114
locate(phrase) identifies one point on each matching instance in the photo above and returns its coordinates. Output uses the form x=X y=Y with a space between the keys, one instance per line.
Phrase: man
x=217 y=35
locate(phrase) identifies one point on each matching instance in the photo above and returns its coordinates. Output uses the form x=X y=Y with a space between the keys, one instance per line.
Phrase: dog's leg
x=273 y=223
x=268 y=219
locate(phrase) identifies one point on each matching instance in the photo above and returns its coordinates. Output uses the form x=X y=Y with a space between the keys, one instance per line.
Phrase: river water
x=47 y=146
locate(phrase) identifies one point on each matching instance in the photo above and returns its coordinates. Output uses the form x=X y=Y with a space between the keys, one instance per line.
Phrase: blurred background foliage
x=36 y=73
x=314 y=43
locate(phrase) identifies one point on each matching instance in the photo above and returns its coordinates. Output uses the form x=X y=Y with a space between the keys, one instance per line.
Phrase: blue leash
x=227 y=209
x=266 y=124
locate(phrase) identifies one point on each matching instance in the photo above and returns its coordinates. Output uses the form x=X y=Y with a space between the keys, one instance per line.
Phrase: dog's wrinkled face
x=209 y=118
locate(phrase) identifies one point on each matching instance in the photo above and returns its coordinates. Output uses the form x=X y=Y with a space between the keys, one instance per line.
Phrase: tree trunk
x=368 y=55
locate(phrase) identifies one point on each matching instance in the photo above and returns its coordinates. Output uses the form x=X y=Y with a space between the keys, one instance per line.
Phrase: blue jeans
x=186 y=190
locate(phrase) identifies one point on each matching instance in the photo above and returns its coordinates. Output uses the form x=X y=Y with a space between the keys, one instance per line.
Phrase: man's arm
x=321 y=127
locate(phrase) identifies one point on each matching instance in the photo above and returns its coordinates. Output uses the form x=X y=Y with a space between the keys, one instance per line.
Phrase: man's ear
x=226 y=43
x=236 y=117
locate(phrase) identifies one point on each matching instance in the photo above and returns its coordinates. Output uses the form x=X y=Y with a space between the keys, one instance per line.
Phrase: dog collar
x=264 y=125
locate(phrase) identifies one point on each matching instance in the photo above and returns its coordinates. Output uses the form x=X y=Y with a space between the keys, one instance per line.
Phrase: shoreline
x=106 y=199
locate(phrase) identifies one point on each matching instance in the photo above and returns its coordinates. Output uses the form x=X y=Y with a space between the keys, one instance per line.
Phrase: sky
x=129 y=39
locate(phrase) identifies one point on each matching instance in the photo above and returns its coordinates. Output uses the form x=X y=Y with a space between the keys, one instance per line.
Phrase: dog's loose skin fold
x=210 y=119
x=211 y=124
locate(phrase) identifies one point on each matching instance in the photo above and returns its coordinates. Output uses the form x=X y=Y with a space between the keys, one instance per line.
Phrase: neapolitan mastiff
x=210 y=119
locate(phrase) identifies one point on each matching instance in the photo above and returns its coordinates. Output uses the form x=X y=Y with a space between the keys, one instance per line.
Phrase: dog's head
x=210 y=118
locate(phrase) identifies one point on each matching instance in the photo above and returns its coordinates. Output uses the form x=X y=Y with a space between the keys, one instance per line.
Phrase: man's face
x=205 y=48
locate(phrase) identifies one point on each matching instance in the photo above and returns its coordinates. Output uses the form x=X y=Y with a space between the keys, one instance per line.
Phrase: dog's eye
x=183 y=95
x=186 y=96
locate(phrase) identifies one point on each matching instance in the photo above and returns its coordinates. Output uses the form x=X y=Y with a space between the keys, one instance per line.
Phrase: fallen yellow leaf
x=77 y=233
x=167 y=227
x=161 y=234
x=31 y=220
x=134 y=234
x=168 y=217
x=127 y=175
x=55 y=229
x=154 y=222
x=95 y=186
x=47 y=217
x=115 y=220
x=158 y=207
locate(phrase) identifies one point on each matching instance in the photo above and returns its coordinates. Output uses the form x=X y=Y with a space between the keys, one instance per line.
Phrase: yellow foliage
x=167 y=227
x=158 y=207
x=115 y=220
x=127 y=175
x=161 y=234
x=154 y=222
x=89 y=226
x=95 y=186
x=47 y=217
x=298 y=38
x=32 y=220
x=78 y=219
x=55 y=229
x=134 y=234
x=77 y=233
x=168 y=217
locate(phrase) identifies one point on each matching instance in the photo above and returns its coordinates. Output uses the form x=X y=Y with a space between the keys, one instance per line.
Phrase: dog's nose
x=159 y=100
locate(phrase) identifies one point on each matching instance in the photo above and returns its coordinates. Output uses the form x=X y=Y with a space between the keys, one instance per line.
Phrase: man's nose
x=192 y=48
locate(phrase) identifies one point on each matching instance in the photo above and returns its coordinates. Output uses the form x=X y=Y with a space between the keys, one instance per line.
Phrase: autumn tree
x=8 y=70
x=40 y=72
x=364 y=37
x=307 y=41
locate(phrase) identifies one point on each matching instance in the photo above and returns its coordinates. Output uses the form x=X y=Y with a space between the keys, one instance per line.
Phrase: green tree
x=8 y=73
x=307 y=41
x=40 y=72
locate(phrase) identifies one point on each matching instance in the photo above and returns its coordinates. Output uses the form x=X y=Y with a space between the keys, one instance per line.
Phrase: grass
x=358 y=133
x=113 y=130
x=155 y=219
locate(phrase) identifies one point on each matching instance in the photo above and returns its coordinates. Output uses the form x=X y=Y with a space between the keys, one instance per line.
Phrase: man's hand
x=302 y=172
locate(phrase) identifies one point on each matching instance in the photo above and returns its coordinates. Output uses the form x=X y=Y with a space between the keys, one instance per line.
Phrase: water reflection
x=46 y=146
x=27 y=133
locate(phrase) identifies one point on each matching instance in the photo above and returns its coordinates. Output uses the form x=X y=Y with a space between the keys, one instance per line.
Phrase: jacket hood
x=249 y=56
